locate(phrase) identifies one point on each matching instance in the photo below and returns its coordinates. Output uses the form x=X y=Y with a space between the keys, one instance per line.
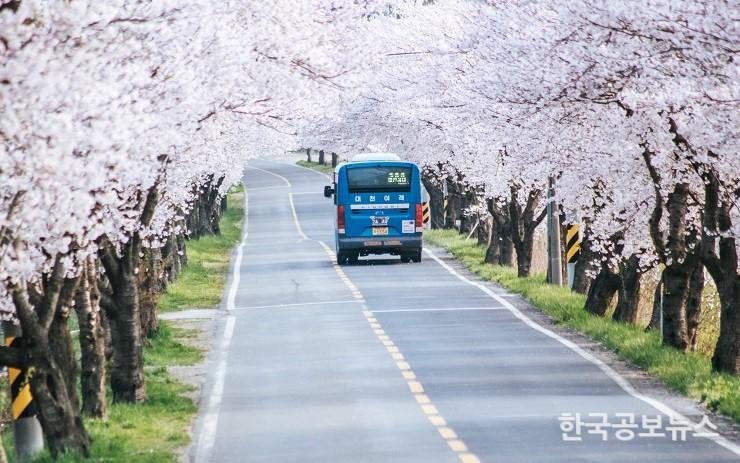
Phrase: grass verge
x=150 y=432
x=153 y=432
x=688 y=373
x=328 y=170
x=201 y=282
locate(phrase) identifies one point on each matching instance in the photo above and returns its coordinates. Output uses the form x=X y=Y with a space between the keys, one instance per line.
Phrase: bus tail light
x=340 y=219
x=419 y=219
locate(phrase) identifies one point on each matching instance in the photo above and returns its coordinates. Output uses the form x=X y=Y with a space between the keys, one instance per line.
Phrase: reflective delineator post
x=445 y=195
x=425 y=210
x=572 y=250
x=28 y=437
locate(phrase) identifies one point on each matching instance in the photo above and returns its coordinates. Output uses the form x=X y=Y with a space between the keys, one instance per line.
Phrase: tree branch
x=107 y=256
x=52 y=289
x=26 y=315
x=657 y=214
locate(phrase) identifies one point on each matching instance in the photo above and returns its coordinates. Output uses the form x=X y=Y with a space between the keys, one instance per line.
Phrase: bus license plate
x=380 y=231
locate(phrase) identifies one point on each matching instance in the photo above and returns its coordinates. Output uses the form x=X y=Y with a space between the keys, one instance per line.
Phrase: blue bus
x=379 y=208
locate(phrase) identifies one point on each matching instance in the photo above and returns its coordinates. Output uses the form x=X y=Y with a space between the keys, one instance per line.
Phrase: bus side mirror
x=328 y=191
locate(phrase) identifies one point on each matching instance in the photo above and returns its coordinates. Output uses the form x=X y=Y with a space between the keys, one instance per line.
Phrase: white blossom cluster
x=100 y=101
x=511 y=92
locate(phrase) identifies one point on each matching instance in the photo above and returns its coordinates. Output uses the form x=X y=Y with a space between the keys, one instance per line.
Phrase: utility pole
x=555 y=267
x=27 y=434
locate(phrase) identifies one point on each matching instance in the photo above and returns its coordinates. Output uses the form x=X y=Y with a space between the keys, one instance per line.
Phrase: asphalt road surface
x=392 y=362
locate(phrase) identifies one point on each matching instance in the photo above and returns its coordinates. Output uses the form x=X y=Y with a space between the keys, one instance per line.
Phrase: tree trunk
x=151 y=285
x=523 y=224
x=47 y=343
x=727 y=352
x=493 y=251
x=92 y=345
x=105 y=324
x=60 y=344
x=170 y=259
x=628 y=304
x=60 y=417
x=693 y=305
x=454 y=206
x=321 y=157
x=657 y=307
x=120 y=301
x=506 y=258
x=500 y=247
x=182 y=252
x=484 y=229
x=192 y=219
x=524 y=248
x=722 y=265
x=467 y=220
x=436 y=201
x=213 y=201
x=127 y=369
x=584 y=265
x=601 y=292
x=676 y=290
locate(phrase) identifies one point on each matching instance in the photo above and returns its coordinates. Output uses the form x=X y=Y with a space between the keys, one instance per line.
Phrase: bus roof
x=376 y=157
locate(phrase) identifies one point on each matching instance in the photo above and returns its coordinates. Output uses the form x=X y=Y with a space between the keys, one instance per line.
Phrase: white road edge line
x=290 y=198
x=447 y=309
x=207 y=437
x=287 y=182
x=267 y=188
x=230 y=300
x=307 y=168
x=209 y=423
x=295 y=217
x=609 y=371
x=277 y=306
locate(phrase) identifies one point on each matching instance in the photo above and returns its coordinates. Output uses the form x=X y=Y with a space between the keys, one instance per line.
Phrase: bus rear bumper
x=380 y=245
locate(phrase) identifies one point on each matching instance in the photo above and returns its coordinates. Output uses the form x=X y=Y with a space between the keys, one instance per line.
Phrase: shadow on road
x=382 y=261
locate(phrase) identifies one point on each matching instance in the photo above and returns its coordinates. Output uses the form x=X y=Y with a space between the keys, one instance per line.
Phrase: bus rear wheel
x=347 y=258
x=411 y=257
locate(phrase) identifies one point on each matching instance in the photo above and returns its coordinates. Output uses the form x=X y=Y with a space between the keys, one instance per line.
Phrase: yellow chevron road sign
x=22 y=405
x=573 y=243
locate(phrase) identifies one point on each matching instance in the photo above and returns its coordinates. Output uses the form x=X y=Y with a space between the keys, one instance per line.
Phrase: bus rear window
x=378 y=178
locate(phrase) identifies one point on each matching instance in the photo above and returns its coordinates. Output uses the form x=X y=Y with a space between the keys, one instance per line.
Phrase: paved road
x=391 y=362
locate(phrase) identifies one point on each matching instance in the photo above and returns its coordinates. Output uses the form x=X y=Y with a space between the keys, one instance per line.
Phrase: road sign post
x=27 y=434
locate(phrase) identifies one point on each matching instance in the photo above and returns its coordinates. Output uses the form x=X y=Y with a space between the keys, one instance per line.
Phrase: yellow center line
x=415 y=386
